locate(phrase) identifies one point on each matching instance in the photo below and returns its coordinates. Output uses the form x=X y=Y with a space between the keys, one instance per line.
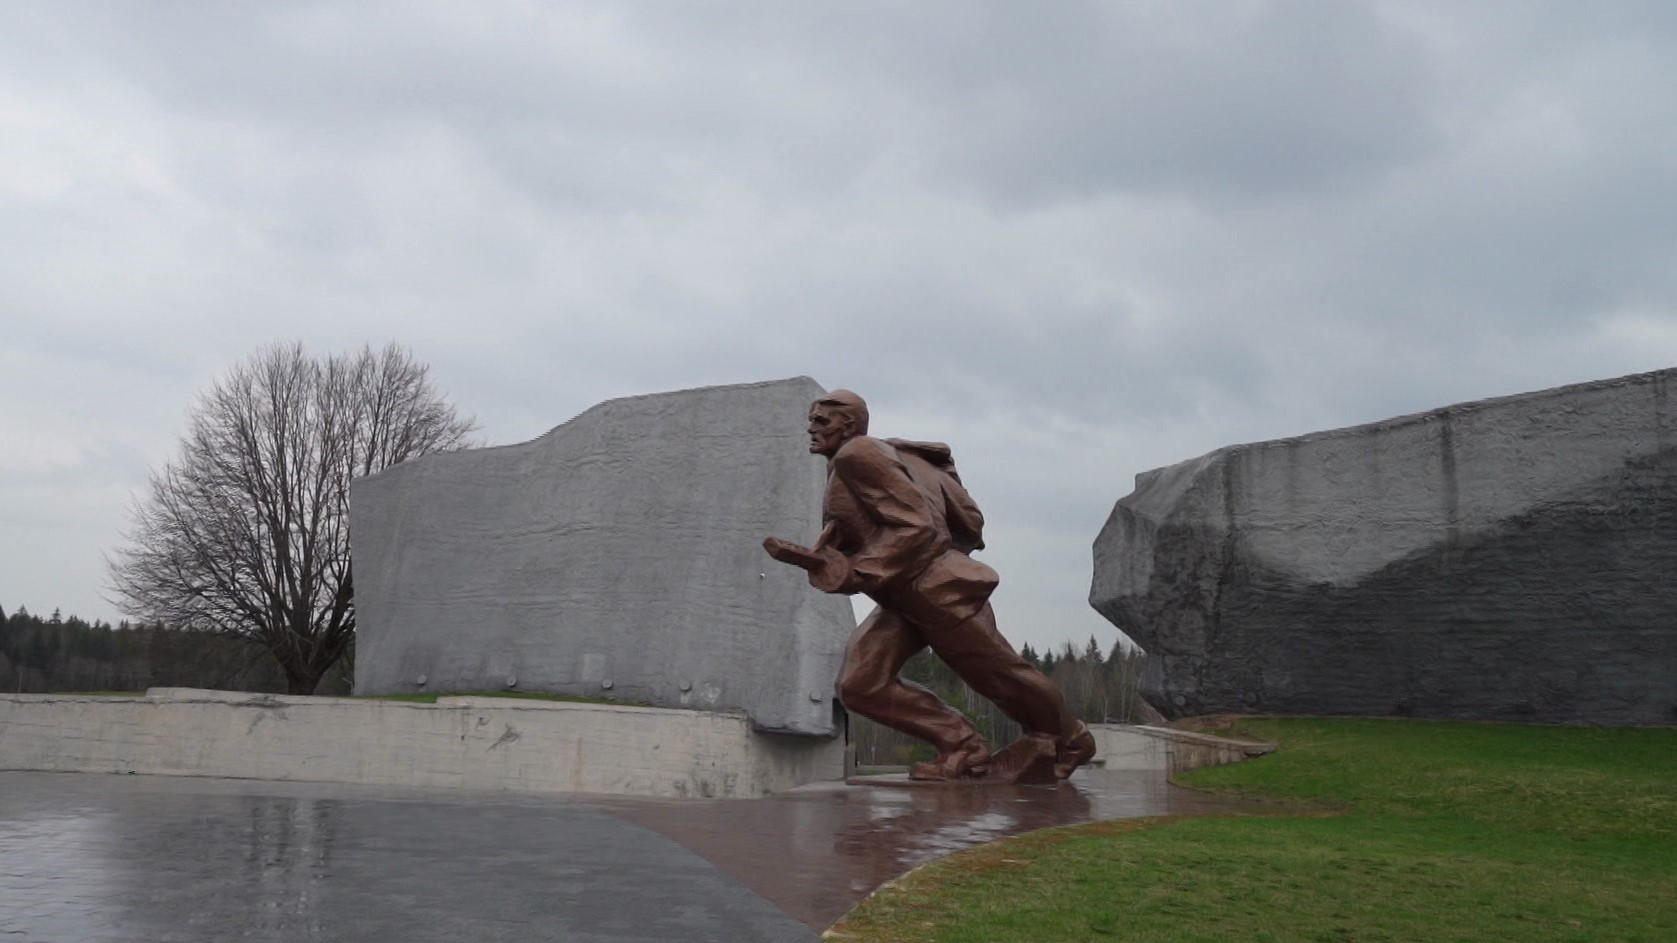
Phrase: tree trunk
x=301 y=679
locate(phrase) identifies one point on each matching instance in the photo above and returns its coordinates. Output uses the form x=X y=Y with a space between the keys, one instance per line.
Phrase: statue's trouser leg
x=977 y=652
x=868 y=683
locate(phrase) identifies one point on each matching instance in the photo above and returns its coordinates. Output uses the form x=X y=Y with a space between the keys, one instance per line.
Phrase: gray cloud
x=1075 y=240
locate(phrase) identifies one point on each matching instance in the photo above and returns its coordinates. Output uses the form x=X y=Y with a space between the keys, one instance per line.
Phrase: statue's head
x=835 y=419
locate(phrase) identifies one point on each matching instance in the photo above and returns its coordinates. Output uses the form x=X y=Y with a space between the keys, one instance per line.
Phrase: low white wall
x=459 y=742
x=1123 y=746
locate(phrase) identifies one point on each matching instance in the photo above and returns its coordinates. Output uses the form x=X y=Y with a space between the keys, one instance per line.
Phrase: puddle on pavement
x=91 y=857
x=817 y=851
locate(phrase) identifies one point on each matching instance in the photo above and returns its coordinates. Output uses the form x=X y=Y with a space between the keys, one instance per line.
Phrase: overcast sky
x=1075 y=240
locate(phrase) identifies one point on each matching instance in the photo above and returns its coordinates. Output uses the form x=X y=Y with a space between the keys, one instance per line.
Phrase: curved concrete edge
x=1138 y=747
x=461 y=743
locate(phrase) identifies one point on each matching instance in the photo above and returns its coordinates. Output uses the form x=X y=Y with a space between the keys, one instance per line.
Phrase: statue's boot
x=1075 y=750
x=970 y=759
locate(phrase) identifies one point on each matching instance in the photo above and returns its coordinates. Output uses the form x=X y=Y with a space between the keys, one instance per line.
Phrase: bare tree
x=246 y=532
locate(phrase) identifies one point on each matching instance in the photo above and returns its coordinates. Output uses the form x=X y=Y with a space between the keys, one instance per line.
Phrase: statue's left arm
x=966 y=521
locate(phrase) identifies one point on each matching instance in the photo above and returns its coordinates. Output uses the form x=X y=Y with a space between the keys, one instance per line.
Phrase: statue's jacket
x=906 y=525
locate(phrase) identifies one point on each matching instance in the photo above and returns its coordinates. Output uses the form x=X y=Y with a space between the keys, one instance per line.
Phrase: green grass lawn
x=1393 y=831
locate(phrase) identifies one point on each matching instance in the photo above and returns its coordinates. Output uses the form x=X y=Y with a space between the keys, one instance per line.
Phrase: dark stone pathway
x=817 y=851
x=88 y=858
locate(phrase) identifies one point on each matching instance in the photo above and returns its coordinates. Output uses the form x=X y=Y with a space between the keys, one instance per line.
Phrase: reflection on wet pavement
x=90 y=857
x=86 y=858
x=816 y=851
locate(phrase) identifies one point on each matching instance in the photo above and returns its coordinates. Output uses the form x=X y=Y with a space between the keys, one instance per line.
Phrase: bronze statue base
x=1028 y=761
x=901 y=780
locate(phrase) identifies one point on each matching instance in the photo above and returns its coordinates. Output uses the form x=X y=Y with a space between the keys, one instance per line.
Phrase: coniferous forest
x=60 y=653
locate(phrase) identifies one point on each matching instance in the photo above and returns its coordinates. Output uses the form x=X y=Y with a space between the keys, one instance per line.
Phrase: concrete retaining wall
x=621 y=552
x=461 y=742
x=1128 y=747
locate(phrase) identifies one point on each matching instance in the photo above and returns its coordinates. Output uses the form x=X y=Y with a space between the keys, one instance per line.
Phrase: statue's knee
x=851 y=693
x=857 y=691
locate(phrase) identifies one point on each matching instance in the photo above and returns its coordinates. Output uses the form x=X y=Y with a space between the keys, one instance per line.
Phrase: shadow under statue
x=900 y=528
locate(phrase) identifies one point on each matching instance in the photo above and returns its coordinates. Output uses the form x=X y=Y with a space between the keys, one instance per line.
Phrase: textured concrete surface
x=90 y=858
x=619 y=553
x=465 y=742
x=1502 y=559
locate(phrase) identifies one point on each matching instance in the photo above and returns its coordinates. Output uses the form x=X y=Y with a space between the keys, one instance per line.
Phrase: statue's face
x=827 y=430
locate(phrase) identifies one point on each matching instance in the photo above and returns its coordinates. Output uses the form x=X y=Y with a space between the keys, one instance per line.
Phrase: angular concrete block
x=1503 y=559
x=619 y=554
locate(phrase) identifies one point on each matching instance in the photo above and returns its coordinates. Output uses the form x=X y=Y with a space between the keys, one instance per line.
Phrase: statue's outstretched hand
x=828 y=569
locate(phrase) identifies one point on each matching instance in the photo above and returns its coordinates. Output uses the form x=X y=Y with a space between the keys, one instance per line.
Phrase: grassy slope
x=1404 y=830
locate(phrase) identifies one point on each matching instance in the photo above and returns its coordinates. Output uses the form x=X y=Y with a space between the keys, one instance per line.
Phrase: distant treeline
x=1099 y=689
x=58 y=653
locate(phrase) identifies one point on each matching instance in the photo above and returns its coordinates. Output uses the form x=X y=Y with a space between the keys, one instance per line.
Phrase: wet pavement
x=94 y=858
x=817 y=851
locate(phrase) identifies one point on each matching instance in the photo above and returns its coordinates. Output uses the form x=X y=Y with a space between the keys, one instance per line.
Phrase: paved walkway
x=87 y=858
x=817 y=851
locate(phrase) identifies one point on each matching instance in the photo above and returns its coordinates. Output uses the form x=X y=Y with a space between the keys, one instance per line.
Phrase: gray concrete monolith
x=1505 y=559
x=618 y=555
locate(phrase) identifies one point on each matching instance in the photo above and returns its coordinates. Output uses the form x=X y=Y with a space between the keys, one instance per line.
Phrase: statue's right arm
x=905 y=540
